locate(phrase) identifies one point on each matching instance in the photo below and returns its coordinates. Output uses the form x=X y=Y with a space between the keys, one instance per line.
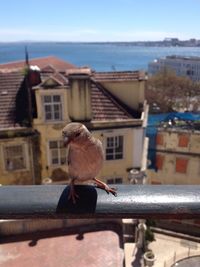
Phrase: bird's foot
x=73 y=195
x=111 y=190
x=105 y=187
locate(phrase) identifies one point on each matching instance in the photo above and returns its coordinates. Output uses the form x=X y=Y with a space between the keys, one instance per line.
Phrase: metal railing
x=132 y=201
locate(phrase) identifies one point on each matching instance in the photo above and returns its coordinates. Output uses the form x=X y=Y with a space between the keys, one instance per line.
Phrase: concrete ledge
x=30 y=226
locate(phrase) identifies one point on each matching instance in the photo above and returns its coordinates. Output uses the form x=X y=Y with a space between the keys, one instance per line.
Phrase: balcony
x=133 y=201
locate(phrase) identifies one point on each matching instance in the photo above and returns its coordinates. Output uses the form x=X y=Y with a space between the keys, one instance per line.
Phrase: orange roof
x=56 y=63
x=105 y=107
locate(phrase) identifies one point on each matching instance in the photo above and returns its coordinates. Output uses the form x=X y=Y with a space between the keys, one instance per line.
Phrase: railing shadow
x=85 y=203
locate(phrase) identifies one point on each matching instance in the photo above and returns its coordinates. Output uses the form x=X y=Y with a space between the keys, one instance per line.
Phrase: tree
x=171 y=92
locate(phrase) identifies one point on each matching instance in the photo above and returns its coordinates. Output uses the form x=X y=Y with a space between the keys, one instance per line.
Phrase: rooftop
x=105 y=106
x=42 y=63
x=56 y=76
x=183 y=57
x=175 y=57
x=10 y=83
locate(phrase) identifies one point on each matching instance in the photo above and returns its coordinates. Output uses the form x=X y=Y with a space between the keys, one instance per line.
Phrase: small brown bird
x=85 y=157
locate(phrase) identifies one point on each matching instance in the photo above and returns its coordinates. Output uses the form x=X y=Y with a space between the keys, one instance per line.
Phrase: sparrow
x=85 y=157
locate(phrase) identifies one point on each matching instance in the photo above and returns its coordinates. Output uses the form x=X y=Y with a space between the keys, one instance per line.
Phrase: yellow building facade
x=110 y=104
x=11 y=164
x=76 y=102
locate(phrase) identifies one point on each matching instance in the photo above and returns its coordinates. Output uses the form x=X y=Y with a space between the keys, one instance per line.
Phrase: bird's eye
x=77 y=134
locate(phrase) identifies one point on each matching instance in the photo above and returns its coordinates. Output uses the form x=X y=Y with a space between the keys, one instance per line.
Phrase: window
x=117 y=180
x=52 y=107
x=159 y=161
x=58 y=153
x=114 y=147
x=14 y=157
x=183 y=140
x=181 y=165
x=160 y=139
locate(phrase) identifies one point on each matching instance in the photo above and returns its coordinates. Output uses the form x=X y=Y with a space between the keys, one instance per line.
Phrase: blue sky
x=99 y=20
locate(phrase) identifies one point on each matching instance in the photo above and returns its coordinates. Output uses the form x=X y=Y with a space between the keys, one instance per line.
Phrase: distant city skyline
x=99 y=21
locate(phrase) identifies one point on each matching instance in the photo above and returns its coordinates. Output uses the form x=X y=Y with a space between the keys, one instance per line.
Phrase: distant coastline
x=99 y=56
x=167 y=42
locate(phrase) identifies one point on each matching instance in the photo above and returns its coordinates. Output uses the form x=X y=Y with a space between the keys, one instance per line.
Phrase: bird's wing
x=69 y=158
x=73 y=163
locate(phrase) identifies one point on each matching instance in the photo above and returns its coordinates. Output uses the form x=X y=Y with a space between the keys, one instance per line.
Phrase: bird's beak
x=66 y=141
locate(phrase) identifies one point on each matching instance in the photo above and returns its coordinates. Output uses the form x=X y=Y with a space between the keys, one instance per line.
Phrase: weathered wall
x=31 y=173
x=79 y=100
x=129 y=92
x=177 y=158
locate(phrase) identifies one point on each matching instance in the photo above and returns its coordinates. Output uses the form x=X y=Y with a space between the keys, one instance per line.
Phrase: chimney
x=80 y=94
x=34 y=76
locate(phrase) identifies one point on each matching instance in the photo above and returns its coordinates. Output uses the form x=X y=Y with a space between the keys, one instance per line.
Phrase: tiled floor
x=169 y=250
x=96 y=249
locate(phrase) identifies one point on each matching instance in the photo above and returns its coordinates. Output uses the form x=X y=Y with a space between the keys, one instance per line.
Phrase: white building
x=183 y=66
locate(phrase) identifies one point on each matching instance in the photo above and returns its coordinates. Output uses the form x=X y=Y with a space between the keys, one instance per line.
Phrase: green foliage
x=166 y=88
x=150 y=222
x=149 y=235
x=25 y=71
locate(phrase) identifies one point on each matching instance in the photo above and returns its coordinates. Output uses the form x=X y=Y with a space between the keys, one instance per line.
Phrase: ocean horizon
x=99 y=56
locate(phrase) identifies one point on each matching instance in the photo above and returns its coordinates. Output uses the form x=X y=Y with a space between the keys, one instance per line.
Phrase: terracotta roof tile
x=59 y=77
x=105 y=107
x=43 y=62
x=48 y=69
x=9 y=85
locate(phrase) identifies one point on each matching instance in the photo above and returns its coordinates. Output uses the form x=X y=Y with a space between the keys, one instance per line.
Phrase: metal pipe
x=132 y=201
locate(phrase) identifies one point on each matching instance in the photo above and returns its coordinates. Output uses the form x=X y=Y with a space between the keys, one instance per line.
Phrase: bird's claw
x=73 y=196
x=108 y=189
x=111 y=190
x=114 y=192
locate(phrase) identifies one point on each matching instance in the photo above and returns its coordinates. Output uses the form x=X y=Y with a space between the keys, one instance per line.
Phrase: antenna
x=26 y=57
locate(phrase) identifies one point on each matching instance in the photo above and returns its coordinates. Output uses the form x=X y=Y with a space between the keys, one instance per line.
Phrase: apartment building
x=182 y=66
x=177 y=157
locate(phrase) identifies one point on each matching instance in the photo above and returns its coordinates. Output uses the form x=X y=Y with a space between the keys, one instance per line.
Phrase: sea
x=97 y=56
